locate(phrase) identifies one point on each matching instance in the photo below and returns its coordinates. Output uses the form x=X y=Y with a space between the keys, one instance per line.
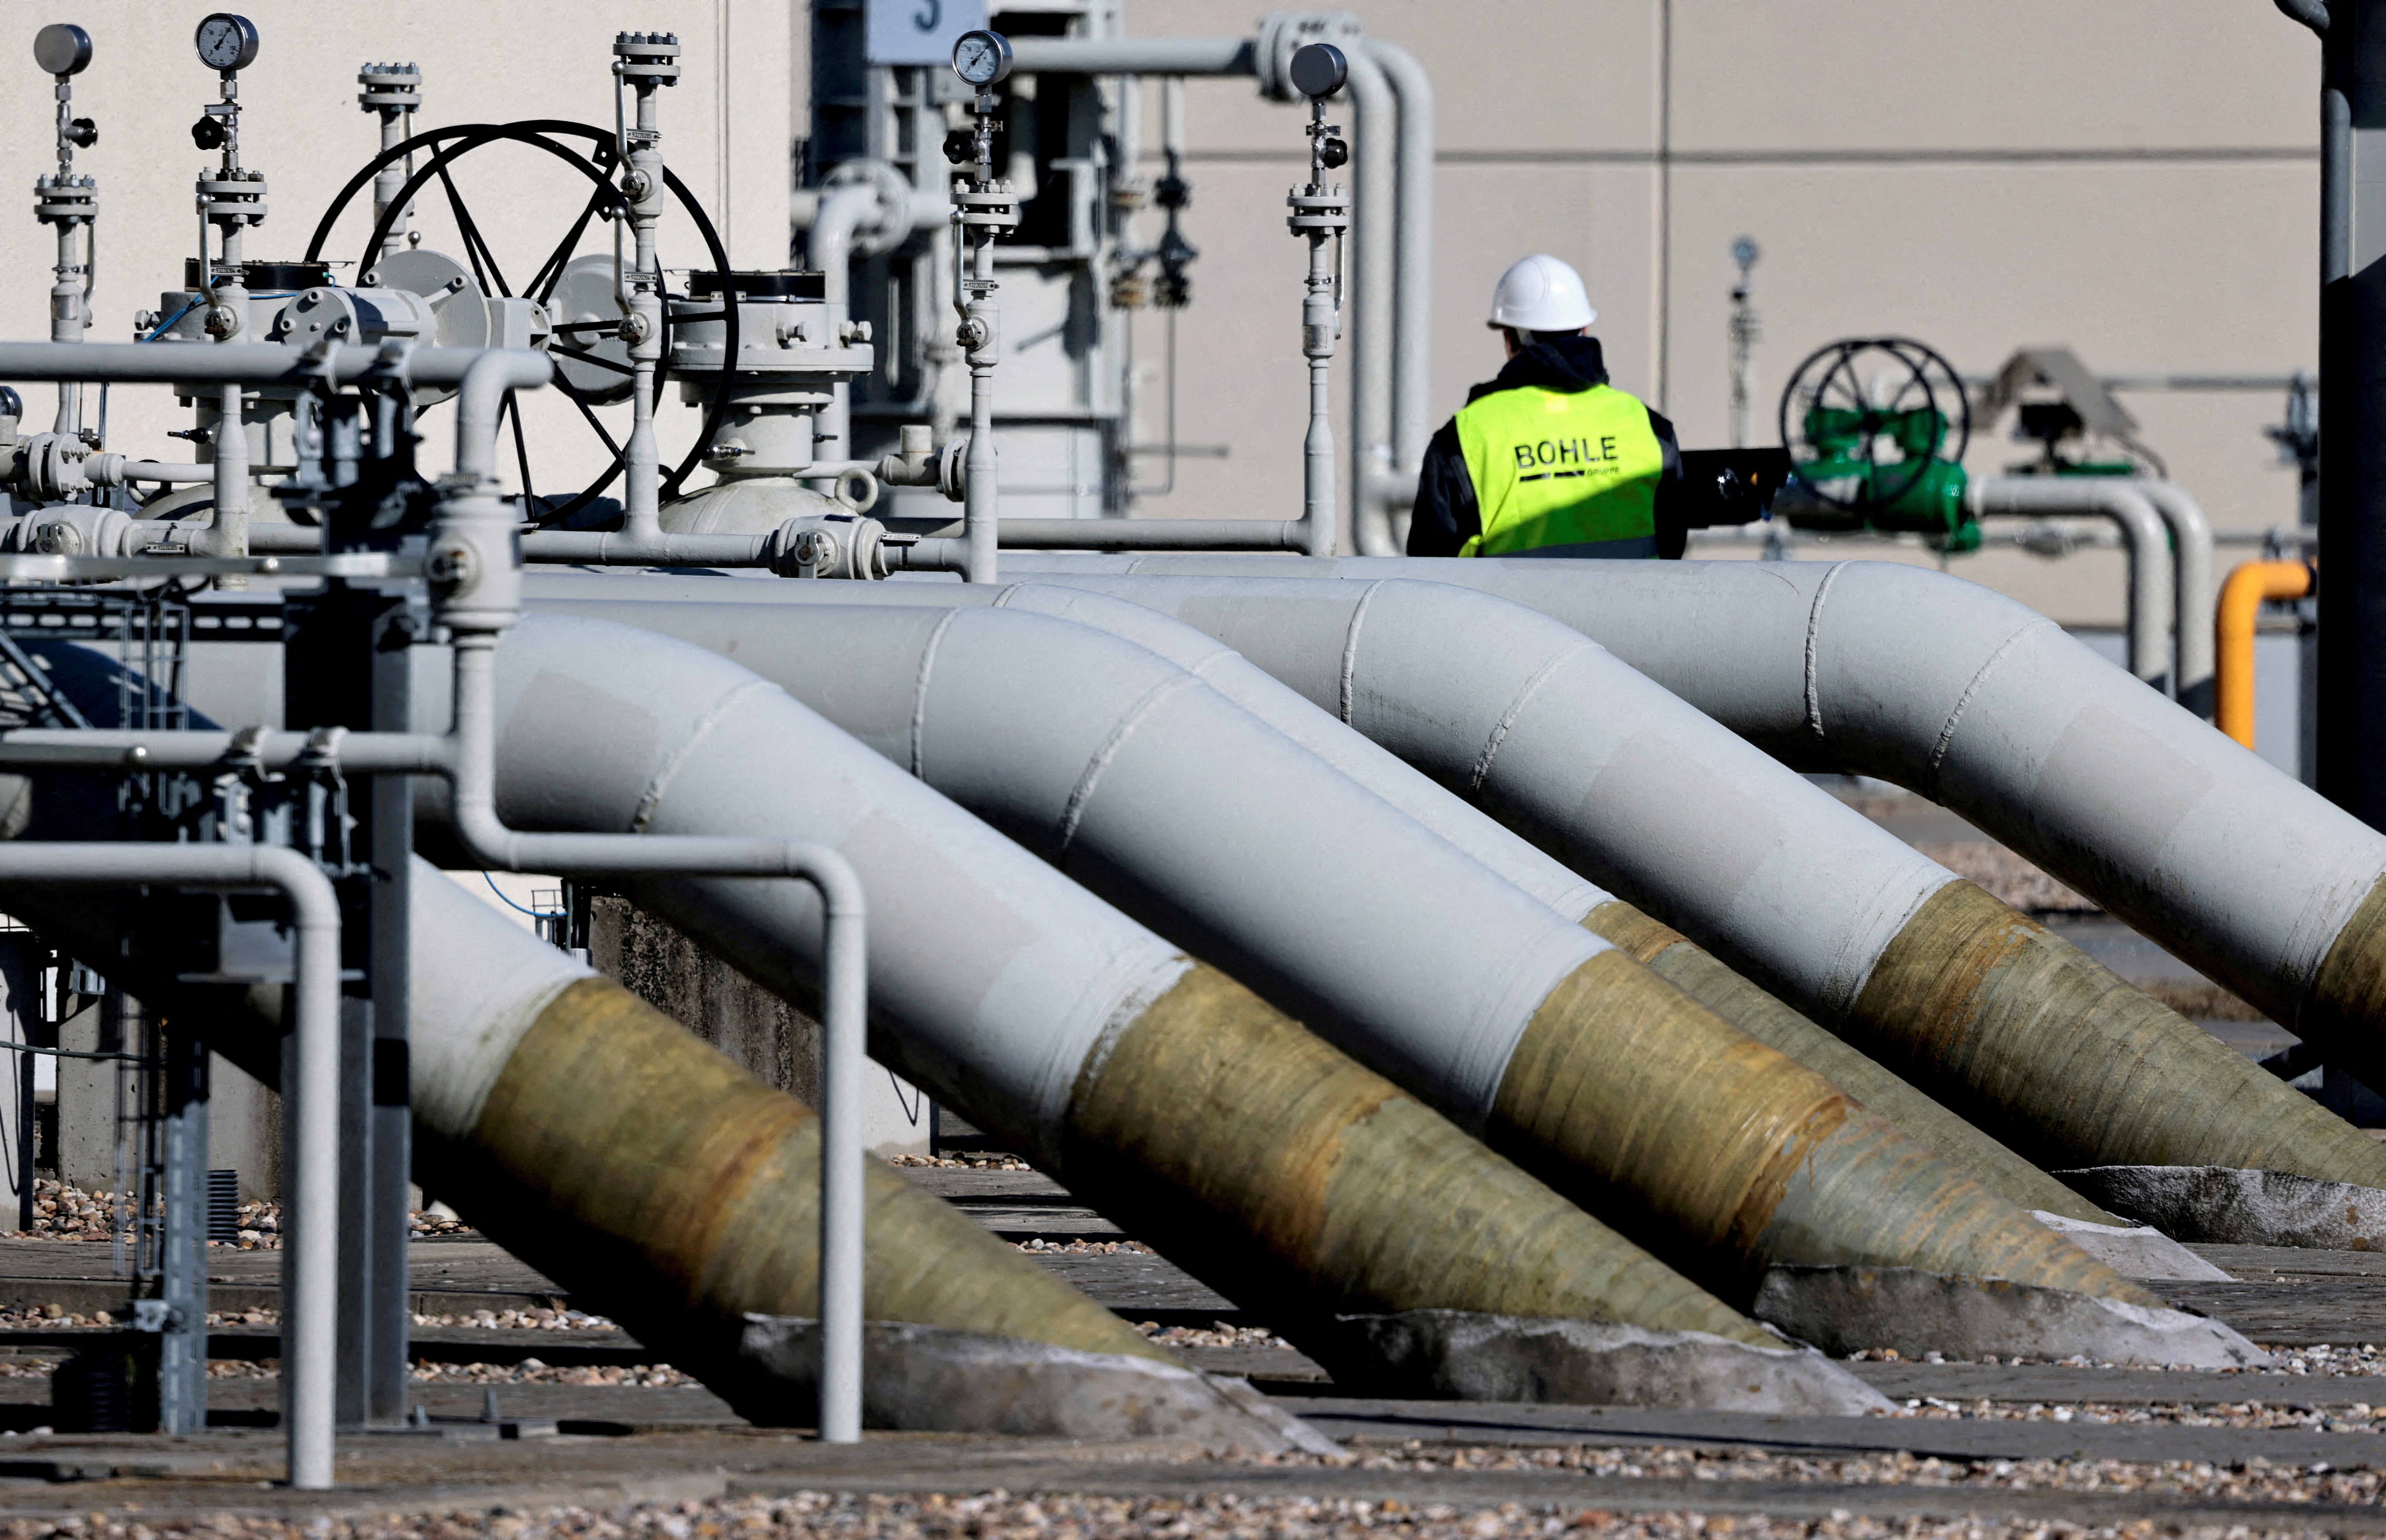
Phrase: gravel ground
x=948 y=1163
x=64 y=1213
x=2321 y=1359
x=2252 y=1480
x=1000 y=1516
x=1217 y=1334
x=1085 y=1249
x=2011 y=879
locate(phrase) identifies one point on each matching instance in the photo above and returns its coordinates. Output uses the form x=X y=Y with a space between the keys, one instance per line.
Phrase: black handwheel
x=1872 y=413
x=536 y=133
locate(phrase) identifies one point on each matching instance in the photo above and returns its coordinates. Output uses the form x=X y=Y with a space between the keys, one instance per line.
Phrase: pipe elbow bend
x=1894 y=654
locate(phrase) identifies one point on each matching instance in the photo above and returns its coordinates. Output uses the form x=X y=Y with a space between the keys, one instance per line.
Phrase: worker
x=1549 y=459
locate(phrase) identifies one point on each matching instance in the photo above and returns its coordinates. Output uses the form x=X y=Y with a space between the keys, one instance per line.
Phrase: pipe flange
x=1285 y=34
x=889 y=222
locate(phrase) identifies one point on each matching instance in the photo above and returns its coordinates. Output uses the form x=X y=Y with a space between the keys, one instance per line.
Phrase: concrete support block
x=1847 y=1309
x=770 y=1039
x=1465 y=1356
x=927 y=1379
x=244 y=1128
x=87 y=1107
x=2133 y=1251
x=2214 y=1204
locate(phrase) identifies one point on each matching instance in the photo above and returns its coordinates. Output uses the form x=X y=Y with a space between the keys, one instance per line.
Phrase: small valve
x=82 y=133
x=207 y=133
x=1332 y=152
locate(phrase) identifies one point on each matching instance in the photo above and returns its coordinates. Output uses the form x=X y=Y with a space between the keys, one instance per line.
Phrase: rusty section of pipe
x=1728 y=1156
x=1697 y=972
x=681 y=1193
x=1275 y=1168
x=2013 y=1026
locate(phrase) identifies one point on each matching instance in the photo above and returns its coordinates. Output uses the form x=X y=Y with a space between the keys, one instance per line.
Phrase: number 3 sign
x=918 y=32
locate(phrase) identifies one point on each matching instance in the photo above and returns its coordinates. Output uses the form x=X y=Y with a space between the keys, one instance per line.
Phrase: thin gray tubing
x=1157 y=534
x=481 y=376
x=310 y=1331
x=2142 y=534
x=1137 y=56
x=830 y=243
x=1377 y=214
x=845 y=948
x=1413 y=377
x=2197 y=597
x=623 y=549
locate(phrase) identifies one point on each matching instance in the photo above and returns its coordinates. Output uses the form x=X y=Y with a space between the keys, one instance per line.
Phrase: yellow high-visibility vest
x=1560 y=467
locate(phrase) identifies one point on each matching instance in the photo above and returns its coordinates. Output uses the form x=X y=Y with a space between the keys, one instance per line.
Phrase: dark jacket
x=1446 y=515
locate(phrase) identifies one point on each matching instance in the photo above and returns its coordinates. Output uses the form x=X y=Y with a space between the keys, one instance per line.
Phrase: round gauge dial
x=981 y=58
x=62 y=48
x=227 y=41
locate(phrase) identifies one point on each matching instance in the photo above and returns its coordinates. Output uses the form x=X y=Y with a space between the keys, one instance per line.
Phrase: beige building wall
x=2136 y=180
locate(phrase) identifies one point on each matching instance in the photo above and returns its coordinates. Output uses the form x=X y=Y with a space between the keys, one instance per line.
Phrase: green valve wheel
x=1876 y=430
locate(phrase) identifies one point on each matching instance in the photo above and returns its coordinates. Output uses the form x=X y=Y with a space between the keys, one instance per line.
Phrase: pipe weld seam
x=1946 y=739
x=1814 y=648
x=1348 y=683
x=1083 y=792
x=919 y=766
x=651 y=796
x=1518 y=703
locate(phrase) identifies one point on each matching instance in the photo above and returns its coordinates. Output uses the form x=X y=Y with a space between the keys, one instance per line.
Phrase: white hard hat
x=1541 y=294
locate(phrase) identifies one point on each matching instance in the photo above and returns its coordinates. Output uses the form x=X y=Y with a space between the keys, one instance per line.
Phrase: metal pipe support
x=310 y=1345
x=2142 y=534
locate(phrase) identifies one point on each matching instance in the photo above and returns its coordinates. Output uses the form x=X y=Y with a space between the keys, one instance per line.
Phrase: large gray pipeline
x=1981 y=1007
x=1985 y=706
x=669 y=603
x=1221 y=833
x=597 y=1140
x=1155 y=1087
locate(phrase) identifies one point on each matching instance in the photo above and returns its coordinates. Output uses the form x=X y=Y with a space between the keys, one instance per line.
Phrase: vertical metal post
x=335 y=640
x=1320 y=209
x=182 y=1235
x=844 y=1044
x=2351 y=730
x=393 y=626
x=981 y=208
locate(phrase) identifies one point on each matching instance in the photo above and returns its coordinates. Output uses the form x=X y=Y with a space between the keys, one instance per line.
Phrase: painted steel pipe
x=1987 y=707
x=1981 y=1007
x=1413 y=413
x=2192 y=582
x=1720 y=1154
x=310 y=1335
x=1673 y=956
x=2250 y=585
x=1155 y=1087
x=2142 y=535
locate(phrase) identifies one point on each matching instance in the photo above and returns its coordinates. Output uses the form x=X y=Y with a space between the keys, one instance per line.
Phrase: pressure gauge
x=227 y=41
x=982 y=58
x=62 y=48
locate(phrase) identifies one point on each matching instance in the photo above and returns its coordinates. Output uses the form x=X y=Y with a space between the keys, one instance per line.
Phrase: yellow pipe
x=2241 y=601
